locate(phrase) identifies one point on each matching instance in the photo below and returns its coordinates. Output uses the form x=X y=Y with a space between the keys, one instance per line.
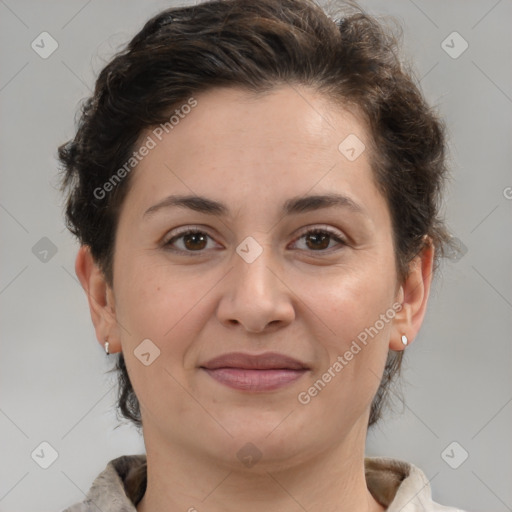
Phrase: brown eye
x=318 y=240
x=195 y=241
x=188 y=241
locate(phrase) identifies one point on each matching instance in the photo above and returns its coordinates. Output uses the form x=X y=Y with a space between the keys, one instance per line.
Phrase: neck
x=179 y=479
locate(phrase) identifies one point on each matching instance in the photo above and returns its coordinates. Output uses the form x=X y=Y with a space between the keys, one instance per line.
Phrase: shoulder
x=117 y=487
x=401 y=486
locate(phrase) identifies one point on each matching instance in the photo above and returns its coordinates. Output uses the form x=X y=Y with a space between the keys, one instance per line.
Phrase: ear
x=100 y=297
x=413 y=295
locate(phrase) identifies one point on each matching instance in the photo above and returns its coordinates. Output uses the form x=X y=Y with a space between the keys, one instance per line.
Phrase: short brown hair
x=257 y=46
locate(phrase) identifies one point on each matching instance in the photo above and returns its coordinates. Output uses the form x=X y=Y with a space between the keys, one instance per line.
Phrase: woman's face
x=253 y=280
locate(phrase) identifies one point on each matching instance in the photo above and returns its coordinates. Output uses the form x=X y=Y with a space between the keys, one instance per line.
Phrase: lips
x=266 y=361
x=255 y=373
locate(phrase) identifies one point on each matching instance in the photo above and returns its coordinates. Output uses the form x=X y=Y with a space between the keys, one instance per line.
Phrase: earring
x=106 y=346
x=404 y=340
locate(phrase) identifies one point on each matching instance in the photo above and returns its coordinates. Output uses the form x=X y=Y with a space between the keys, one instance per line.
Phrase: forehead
x=283 y=118
x=243 y=146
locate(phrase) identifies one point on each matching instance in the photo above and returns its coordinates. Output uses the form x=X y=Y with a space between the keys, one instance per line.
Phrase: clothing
x=395 y=484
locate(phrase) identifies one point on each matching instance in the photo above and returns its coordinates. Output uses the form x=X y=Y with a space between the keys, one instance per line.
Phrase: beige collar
x=395 y=484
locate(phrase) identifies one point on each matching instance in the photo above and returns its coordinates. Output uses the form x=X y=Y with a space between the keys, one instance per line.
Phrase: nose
x=255 y=295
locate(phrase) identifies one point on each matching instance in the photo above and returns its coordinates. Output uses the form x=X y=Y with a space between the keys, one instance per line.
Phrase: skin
x=297 y=298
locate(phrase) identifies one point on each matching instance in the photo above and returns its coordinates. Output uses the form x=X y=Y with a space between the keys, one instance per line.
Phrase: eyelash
x=313 y=231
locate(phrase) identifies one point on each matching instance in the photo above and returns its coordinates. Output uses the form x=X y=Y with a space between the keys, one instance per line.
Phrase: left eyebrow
x=294 y=205
x=316 y=202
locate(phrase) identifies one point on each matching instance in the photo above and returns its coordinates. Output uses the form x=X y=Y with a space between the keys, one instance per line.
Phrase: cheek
x=351 y=315
x=161 y=302
x=352 y=333
x=348 y=300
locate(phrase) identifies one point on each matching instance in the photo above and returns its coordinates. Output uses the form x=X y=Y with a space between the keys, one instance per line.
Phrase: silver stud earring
x=106 y=347
x=404 y=340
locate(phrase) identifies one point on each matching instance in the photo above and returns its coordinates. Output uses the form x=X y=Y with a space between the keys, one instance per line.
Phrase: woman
x=256 y=189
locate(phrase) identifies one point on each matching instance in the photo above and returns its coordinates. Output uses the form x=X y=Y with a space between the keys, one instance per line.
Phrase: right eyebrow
x=197 y=203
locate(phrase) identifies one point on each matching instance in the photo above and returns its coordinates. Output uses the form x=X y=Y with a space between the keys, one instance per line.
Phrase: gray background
x=53 y=385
